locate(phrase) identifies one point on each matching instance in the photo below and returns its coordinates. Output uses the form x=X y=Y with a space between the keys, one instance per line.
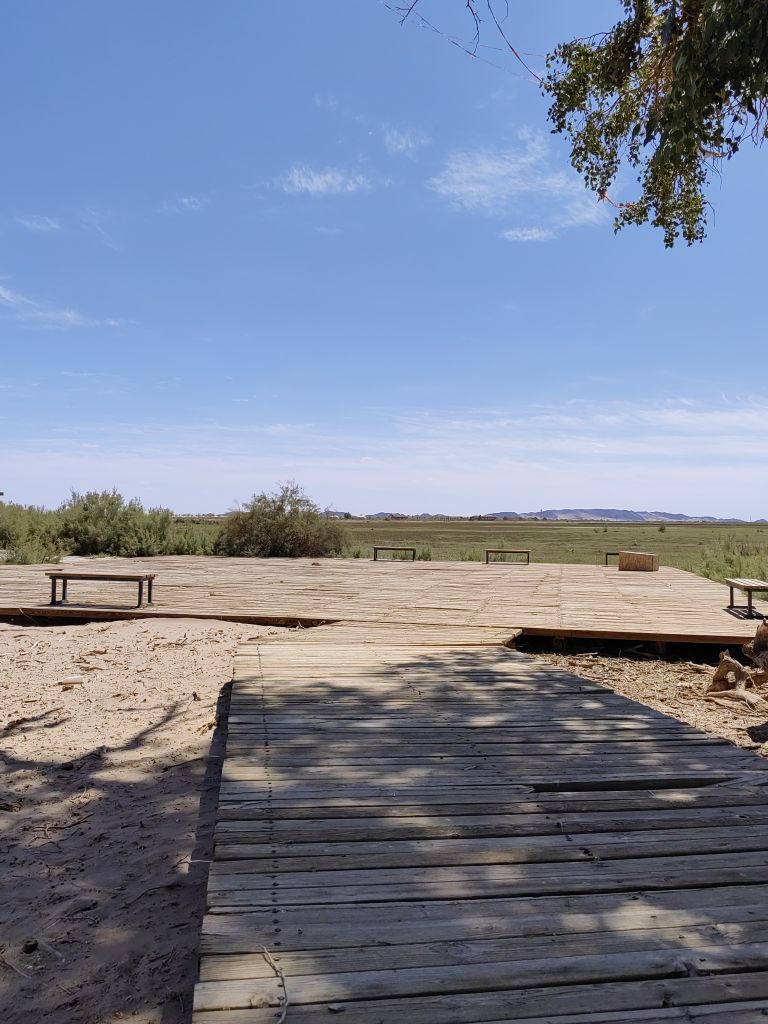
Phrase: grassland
x=712 y=550
x=106 y=524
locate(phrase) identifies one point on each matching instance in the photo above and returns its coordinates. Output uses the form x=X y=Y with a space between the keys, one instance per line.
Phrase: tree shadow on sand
x=105 y=874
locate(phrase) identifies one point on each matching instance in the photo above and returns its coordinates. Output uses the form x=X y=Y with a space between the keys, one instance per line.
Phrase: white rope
x=279 y=974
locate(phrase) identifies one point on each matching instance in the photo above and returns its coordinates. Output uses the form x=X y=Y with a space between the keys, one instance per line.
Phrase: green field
x=715 y=551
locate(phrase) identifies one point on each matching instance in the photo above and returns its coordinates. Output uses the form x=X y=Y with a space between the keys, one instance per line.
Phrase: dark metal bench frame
x=65 y=577
x=508 y=551
x=378 y=548
x=610 y=554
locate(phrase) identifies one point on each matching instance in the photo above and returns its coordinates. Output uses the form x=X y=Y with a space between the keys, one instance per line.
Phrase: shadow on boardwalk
x=446 y=837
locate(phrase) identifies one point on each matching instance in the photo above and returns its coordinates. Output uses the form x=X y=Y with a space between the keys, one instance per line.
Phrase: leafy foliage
x=733 y=556
x=673 y=89
x=104 y=523
x=282 y=524
x=97 y=523
x=29 y=535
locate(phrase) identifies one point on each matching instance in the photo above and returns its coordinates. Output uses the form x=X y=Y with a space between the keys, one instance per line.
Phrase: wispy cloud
x=184 y=204
x=95 y=223
x=679 y=455
x=39 y=223
x=325 y=101
x=520 y=182
x=404 y=141
x=32 y=311
x=302 y=178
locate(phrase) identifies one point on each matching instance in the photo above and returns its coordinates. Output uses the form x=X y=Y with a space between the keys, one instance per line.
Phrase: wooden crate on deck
x=638 y=561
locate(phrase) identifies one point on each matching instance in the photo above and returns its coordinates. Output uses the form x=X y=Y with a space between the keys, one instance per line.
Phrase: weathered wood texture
x=433 y=833
x=638 y=561
x=556 y=600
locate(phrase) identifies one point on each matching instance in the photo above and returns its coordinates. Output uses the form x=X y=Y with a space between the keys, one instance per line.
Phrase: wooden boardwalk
x=433 y=832
x=553 y=600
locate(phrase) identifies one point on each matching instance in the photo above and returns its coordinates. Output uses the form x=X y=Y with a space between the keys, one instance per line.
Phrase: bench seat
x=65 y=576
x=748 y=586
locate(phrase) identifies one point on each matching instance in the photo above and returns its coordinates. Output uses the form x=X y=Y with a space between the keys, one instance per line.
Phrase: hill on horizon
x=610 y=515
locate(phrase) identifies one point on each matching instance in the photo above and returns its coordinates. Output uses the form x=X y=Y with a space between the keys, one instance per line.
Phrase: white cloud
x=184 y=204
x=326 y=181
x=404 y=142
x=39 y=224
x=31 y=311
x=520 y=182
x=529 y=234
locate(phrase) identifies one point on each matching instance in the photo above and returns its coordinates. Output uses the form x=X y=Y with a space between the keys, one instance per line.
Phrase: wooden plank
x=224 y=902
x=514 y=949
x=379 y=924
x=538 y=1004
x=468 y=977
x=467 y=827
x=722 y=1013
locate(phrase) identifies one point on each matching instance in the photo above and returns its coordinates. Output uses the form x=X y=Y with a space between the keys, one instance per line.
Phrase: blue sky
x=248 y=242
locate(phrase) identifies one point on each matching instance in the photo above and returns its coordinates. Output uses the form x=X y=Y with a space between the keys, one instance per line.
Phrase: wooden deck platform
x=545 y=599
x=439 y=833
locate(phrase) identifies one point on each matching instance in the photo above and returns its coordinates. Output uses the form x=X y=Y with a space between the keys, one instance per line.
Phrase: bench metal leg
x=141 y=594
x=730 y=603
x=53 y=591
x=149 y=591
x=63 y=591
x=749 y=605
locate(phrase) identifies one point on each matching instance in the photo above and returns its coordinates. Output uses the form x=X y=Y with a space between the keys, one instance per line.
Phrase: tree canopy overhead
x=671 y=91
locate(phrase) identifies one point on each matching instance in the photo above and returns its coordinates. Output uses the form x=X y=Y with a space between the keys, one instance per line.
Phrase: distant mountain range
x=603 y=515
x=610 y=515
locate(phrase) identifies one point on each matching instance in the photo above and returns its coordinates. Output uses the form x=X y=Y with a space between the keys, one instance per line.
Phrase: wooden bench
x=140 y=578
x=376 y=551
x=507 y=551
x=749 y=587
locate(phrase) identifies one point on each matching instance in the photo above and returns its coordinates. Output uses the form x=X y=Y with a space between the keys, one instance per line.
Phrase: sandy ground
x=106 y=814
x=674 y=687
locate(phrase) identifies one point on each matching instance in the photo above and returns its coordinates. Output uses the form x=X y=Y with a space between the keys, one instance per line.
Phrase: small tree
x=282 y=524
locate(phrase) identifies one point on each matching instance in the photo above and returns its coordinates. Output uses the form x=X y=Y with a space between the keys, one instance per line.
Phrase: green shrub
x=283 y=524
x=29 y=535
x=104 y=523
x=731 y=557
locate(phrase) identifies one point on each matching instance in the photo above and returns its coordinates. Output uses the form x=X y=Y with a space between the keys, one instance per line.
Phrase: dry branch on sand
x=732 y=681
x=757 y=651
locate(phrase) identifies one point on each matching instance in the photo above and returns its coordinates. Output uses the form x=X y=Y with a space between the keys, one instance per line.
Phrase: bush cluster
x=283 y=524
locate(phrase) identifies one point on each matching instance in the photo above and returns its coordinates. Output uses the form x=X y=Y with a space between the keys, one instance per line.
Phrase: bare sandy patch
x=674 y=687
x=106 y=814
